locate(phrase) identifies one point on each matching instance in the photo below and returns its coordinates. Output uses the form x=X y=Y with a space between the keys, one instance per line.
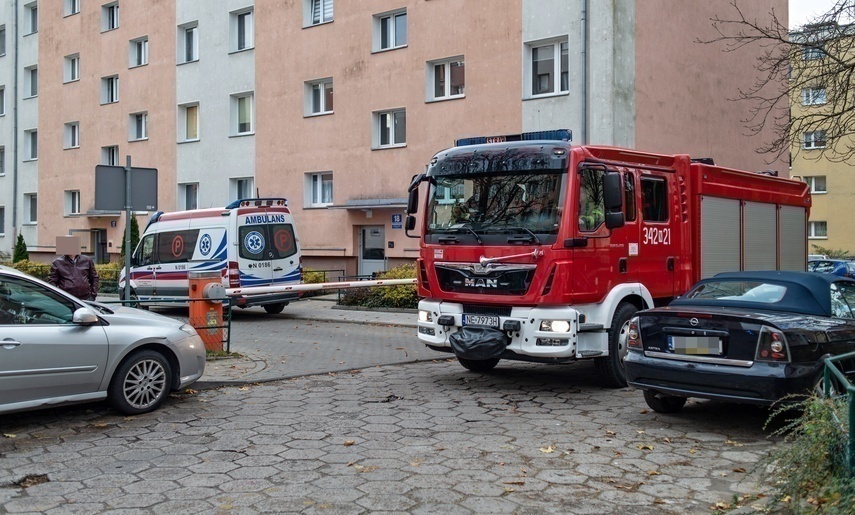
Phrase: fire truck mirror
x=410 y=222
x=413 y=201
x=614 y=220
x=612 y=192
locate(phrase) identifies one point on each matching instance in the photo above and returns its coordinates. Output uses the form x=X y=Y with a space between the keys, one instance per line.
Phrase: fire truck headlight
x=555 y=326
x=425 y=316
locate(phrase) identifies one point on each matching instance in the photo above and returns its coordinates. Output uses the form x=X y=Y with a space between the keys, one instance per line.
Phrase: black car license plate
x=488 y=320
x=695 y=345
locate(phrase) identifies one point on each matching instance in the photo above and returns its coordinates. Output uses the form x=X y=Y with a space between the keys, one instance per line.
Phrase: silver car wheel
x=144 y=384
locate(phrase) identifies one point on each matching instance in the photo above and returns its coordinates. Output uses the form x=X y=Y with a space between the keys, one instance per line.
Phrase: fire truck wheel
x=663 y=403
x=611 y=366
x=273 y=309
x=479 y=365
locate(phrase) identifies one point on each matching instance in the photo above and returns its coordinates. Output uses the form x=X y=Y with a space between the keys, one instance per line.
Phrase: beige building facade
x=335 y=106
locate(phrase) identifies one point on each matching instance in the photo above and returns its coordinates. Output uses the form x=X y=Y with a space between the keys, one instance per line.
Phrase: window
x=2 y=160
x=241 y=37
x=812 y=53
x=31 y=81
x=817 y=184
x=110 y=90
x=320 y=189
x=72 y=7
x=2 y=100
x=31 y=140
x=446 y=79
x=817 y=230
x=2 y=40
x=189 y=193
x=188 y=42
x=138 y=127
x=319 y=11
x=241 y=188
x=109 y=16
x=189 y=123
x=390 y=128
x=813 y=96
x=138 y=52
x=72 y=202
x=71 y=68
x=241 y=114
x=72 y=135
x=629 y=196
x=654 y=200
x=110 y=155
x=390 y=30
x=320 y=95
x=813 y=139
x=2 y=221
x=549 y=68
x=31 y=18
x=31 y=208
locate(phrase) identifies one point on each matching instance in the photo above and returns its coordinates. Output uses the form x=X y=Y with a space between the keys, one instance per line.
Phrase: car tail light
x=772 y=346
x=234 y=275
x=633 y=335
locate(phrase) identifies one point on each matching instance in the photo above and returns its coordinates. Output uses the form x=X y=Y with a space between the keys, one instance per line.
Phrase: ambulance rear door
x=267 y=246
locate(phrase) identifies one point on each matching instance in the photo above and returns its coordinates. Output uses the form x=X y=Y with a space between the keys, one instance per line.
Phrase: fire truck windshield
x=524 y=203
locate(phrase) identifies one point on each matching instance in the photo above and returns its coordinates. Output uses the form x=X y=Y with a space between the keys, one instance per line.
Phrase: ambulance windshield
x=526 y=203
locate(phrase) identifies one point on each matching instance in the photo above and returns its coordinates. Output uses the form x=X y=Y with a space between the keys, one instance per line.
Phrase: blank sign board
x=110 y=188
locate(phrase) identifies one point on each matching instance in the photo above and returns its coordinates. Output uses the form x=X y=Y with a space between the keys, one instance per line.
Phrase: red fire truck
x=532 y=249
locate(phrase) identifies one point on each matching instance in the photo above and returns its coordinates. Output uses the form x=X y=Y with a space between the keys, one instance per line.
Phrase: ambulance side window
x=176 y=246
x=145 y=252
x=654 y=199
x=629 y=196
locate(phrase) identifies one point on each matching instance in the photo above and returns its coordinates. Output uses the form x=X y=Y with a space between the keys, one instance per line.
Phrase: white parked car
x=56 y=349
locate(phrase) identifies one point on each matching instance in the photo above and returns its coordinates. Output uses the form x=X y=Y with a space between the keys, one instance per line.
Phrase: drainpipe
x=15 y=133
x=583 y=75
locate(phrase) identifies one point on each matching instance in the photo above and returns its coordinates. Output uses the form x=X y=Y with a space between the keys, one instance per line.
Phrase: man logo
x=481 y=283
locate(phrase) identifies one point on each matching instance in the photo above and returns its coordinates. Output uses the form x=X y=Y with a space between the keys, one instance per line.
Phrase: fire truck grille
x=473 y=309
x=497 y=282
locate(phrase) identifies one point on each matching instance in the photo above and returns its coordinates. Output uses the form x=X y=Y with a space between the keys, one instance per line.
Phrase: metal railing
x=837 y=378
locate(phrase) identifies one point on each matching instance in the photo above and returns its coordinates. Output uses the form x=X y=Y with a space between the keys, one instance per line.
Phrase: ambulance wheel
x=133 y=297
x=611 y=366
x=479 y=365
x=663 y=403
x=273 y=309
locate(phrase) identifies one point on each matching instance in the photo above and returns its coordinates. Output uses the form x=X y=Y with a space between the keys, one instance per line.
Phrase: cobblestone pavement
x=424 y=437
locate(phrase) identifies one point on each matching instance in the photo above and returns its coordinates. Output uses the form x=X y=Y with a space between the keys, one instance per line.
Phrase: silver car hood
x=123 y=315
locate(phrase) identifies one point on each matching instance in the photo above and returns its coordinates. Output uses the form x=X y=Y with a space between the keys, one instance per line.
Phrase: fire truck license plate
x=696 y=345
x=489 y=320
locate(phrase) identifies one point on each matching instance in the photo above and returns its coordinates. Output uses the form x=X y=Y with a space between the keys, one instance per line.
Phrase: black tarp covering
x=478 y=342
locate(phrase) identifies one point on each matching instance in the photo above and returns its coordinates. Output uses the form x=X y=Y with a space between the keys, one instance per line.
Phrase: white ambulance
x=252 y=242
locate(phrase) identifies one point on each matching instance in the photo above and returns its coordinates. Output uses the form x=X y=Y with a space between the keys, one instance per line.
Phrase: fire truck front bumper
x=527 y=333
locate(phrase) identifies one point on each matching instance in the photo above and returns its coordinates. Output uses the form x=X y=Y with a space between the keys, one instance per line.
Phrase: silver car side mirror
x=84 y=316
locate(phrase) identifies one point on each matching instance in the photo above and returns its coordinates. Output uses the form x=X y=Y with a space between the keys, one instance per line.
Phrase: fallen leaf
x=739 y=470
x=653 y=473
x=191 y=391
x=659 y=501
x=9 y=435
x=618 y=454
x=644 y=411
x=734 y=444
x=692 y=451
x=721 y=505
x=640 y=431
x=722 y=474
x=644 y=447
x=547 y=450
x=610 y=433
x=667 y=440
x=243 y=388
x=348 y=443
x=509 y=490
x=520 y=483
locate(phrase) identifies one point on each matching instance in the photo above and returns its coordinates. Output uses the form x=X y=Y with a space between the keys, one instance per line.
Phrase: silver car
x=56 y=349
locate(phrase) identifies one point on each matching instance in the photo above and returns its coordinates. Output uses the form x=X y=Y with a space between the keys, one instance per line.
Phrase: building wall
x=27 y=108
x=7 y=128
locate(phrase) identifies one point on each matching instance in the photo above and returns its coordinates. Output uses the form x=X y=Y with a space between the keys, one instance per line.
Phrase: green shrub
x=401 y=296
x=810 y=469
x=39 y=270
x=21 y=253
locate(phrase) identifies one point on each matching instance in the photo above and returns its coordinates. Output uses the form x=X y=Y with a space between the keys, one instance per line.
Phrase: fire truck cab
x=533 y=249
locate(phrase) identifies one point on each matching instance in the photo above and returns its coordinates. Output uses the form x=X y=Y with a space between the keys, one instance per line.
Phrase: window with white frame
x=189 y=122
x=316 y=12
x=138 y=127
x=390 y=30
x=319 y=188
x=2 y=220
x=188 y=42
x=71 y=68
x=31 y=18
x=241 y=33
x=817 y=229
x=816 y=183
x=2 y=40
x=110 y=155
x=31 y=81
x=31 y=208
x=548 y=67
x=31 y=141
x=71 y=7
x=390 y=128
x=240 y=188
x=242 y=117
x=72 y=135
x=72 y=202
x=319 y=96
x=138 y=52
x=813 y=96
x=2 y=100
x=110 y=89
x=446 y=79
x=2 y=160
x=813 y=139
x=810 y=53
x=189 y=194
x=109 y=16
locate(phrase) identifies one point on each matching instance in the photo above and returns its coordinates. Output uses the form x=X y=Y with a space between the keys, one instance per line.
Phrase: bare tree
x=805 y=88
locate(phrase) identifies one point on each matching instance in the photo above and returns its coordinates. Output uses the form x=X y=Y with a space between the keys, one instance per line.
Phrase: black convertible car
x=749 y=337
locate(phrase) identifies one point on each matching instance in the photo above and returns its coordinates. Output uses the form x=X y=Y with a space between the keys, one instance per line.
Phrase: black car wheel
x=141 y=383
x=273 y=309
x=479 y=365
x=132 y=297
x=611 y=366
x=663 y=403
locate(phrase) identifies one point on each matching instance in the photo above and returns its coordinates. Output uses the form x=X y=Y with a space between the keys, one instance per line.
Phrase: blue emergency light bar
x=556 y=135
x=258 y=202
